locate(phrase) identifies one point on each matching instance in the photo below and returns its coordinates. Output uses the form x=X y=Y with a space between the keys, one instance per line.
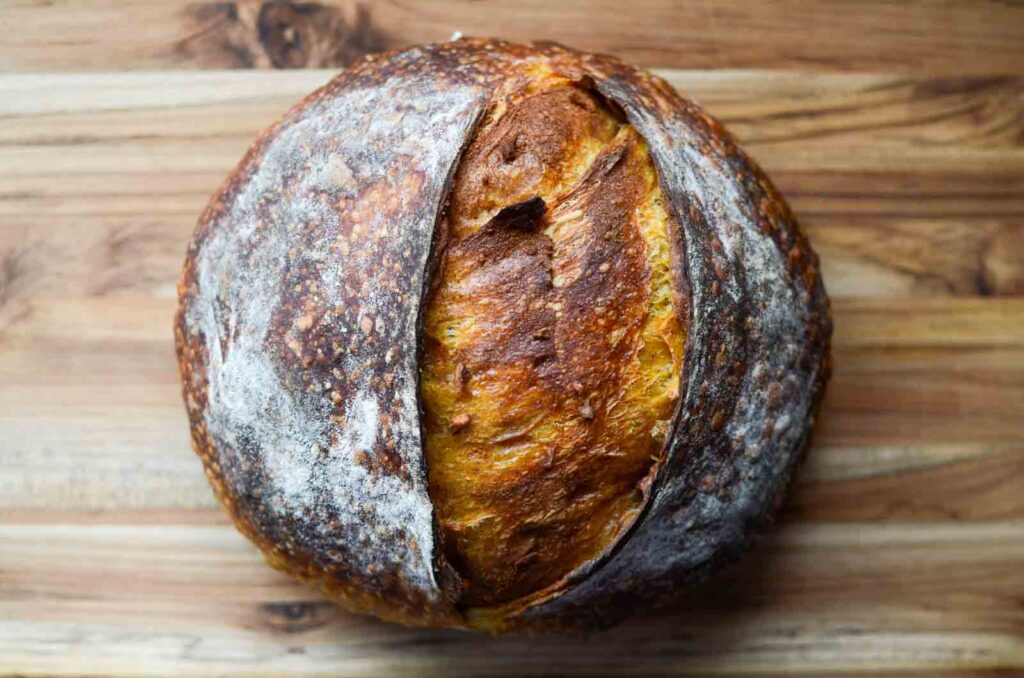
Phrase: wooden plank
x=194 y=600
x=961 y=483
x=908 y=187
x=883 y=123
x=921 y=421
x=901 y=547
x=955 y=36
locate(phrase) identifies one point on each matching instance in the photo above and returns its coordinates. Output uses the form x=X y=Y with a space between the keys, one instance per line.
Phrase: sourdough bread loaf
x=499 y=336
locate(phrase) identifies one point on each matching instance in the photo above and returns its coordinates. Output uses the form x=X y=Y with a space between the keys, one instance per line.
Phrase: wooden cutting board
x=897 y=133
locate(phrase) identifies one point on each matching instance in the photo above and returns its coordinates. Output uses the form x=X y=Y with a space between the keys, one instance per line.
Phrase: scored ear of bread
x=319 y=280
x=552 y=349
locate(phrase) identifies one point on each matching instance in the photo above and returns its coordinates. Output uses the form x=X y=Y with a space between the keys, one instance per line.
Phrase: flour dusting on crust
x=306 y=287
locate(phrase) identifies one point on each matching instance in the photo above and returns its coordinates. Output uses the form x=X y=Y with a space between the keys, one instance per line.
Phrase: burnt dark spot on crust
x=524 y=216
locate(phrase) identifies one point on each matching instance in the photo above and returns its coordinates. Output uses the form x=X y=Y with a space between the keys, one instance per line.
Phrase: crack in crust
x=552 y=339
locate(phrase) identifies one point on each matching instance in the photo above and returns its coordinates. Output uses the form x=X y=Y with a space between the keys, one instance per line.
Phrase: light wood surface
x=913 y=36
x=896 y=132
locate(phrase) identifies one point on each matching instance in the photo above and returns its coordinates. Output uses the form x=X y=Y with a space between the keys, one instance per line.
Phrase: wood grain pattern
x=812 y=598
x=120 y=164
x=896 y=132
x=951 y=36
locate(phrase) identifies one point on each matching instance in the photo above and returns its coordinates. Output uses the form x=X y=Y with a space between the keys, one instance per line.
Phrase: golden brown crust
x=535 y=141
x=548 y=342
x=316 y=451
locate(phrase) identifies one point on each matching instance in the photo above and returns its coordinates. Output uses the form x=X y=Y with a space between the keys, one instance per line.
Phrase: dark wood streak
x=299 y=616
x=12 y=270
x=280 y=35
x=15 y=279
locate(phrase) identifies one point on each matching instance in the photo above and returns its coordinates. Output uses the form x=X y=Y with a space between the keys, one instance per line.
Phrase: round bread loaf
x=500 y=337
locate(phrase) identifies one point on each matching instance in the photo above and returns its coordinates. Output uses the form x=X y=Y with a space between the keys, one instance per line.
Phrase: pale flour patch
x=280 y=446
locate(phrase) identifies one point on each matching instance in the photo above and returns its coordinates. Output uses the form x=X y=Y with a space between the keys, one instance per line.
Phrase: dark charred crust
x=733 y=448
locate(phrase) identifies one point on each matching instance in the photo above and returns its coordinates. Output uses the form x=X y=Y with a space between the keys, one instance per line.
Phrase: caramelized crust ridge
x=553 y=344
